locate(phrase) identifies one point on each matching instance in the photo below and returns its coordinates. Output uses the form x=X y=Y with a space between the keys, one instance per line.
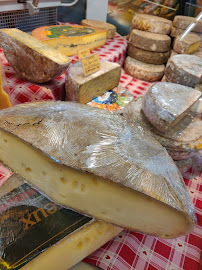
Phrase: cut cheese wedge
x=151 y=23
x=96 y=163
x=165 y=104
x=30 y=58
x=188 y=45
x=44 y=235
x=183 y=22
x=110 y=28
x=83 y=89
x=4 y=98
x=143 y=71
x=184 y=69
x=150 y=41
x=69 y=39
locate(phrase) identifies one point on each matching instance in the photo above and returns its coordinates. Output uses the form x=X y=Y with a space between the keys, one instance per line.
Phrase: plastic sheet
x=166 y=103
x=102 y=143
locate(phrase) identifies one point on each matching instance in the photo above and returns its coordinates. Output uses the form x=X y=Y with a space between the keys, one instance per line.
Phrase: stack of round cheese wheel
x=170 y=113
x=149 y=47
x=191 y=43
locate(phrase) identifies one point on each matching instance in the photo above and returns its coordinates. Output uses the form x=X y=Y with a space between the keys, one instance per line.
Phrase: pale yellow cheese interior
x=4 y=98
x=37 y=45
x=90 y=194
x=193 y=48
x=70 y=46
x=73 y=249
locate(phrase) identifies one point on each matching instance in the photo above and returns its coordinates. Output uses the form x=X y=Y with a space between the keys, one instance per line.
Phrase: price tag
x=91 y=64
x=83 y=53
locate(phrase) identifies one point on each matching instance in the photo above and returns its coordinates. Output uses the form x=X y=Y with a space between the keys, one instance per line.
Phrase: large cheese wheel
x=165 y=104
x=143 y=71
x=155 y=58
x=83 y=89
x=151 y=23
x=110 y=28
x=150 y=41
x=184 y=69
x=183 y=22
x=178 y=31
x=68 y=39
x=189 y=44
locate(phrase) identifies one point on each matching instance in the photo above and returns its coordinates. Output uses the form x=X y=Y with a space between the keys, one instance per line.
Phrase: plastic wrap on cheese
x=102 y=143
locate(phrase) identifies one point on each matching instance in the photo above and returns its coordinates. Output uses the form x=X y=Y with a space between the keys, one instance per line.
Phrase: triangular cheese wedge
x=4 y=98
x=96 y=163
x=30 y=58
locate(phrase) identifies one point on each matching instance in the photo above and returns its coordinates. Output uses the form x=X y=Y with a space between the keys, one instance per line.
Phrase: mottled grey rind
x=180 y=155
x=155 y=58
x=143 y=71
x=165 y=103
x=185 y=164
x=28 y=63
x=102 y=143
x=183 y=22
x=186 y=136
x=150 y=41
x=184 y=69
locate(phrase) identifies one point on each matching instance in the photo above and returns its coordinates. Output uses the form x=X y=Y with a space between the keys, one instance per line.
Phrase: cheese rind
x=165 y=104
x=110 y=28
x=151 y=23
x=58 y=153
x=64 y=245
x=178 y=31
x=155 y=58
x=83 y=89
x=186 y=136
x=30 y=58
x=68 y=39
x=188 y=45
x=183 y=22
x=184 y=69
x=150 y=41
x=143 y=71
x=184 y=165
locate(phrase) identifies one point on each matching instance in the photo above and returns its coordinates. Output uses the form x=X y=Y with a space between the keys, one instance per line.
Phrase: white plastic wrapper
x=102 y=143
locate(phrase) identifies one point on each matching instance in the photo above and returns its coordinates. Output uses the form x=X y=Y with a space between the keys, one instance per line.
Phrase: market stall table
x=128 y=250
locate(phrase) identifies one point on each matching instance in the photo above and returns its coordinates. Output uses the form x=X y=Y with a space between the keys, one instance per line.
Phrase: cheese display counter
x=99 y=181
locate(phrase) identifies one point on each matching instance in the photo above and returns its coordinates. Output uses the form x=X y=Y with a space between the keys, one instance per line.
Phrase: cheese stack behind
x=149 y=43
x=170 y=113
x=191 y=43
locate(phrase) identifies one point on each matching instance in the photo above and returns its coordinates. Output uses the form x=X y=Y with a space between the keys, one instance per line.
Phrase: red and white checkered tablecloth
x=128 y=250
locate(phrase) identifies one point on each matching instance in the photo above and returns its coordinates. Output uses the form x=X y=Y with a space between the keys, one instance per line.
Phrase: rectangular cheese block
x=4 y=98
x=83 y=89
x=44 y=235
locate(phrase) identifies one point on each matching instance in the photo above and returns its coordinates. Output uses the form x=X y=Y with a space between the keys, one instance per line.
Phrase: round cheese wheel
x=150 y=41
x=183 y=22
x=143 y=71
x=155 y=58
x=184 y=69
x=151 y=23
